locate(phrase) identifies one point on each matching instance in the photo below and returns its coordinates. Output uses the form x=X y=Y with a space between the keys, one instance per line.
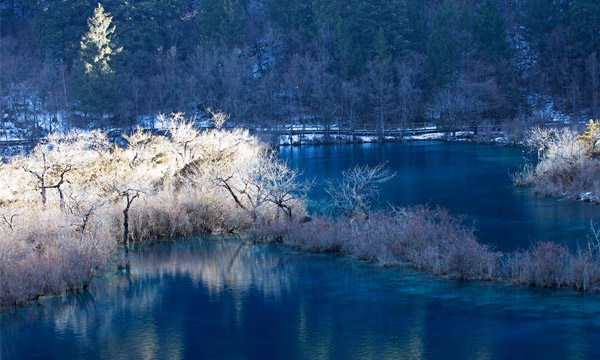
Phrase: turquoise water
x=465 y=178
x=221 y=299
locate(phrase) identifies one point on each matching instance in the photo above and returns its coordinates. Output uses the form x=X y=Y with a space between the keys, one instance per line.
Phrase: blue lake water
x=468 y=179
x=221 y=299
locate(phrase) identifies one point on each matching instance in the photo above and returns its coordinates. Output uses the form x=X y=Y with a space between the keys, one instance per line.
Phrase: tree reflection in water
x=217 y=298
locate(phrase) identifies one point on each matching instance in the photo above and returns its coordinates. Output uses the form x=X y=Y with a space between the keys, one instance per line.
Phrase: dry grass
x=66 y=206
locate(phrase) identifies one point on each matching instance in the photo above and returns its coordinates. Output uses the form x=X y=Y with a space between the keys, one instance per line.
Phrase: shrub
x=429 y=239
x=567 y=164
x=87 y=194
x=44 y=254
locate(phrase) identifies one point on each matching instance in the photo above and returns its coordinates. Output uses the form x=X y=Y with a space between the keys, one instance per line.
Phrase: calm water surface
x=465 y=178
x=215 y=298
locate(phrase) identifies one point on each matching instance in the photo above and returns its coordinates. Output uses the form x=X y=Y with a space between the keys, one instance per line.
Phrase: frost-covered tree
x=98 y=87
x=591 y=137
x=355 y=192
x=97 y=46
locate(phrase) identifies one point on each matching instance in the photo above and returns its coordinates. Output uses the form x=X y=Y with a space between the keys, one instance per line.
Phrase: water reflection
x=223 y=299
x=215 y=298
x=215 y=266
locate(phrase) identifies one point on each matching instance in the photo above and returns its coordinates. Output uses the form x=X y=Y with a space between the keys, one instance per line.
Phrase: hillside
x=377 y=63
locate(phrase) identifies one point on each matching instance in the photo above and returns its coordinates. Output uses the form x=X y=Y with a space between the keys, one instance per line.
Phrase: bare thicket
x=65 y=206
x=568 y=163
x=358 y=188
x=432 y=240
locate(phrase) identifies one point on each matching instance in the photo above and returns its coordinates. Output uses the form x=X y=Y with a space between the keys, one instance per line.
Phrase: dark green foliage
x=541 y=18
x=221 y=21
x=348 y=53
x=239 y=55
x=491 y=32
x=442 y=48
x=60 y=25
x=585 y=26
x=292 y=15
x=98 y=83
x=388 y=16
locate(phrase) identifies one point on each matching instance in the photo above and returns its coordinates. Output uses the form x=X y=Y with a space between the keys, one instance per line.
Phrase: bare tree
x=247 y=188
x=182 y=133
x=135 y=172
x=235 y=87
x=218 y=117
x=82 y=207
x=129 y=194
x=284 y=187
x=409 y=74
x=8 y=220
x=48 y=168
x=381 y=93
x=269 y=180
x=205 y=76
x=358 y=188
x=350 y=100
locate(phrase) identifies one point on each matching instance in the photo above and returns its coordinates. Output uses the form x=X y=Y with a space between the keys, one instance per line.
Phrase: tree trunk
x=352 y=125
x=125 y=226
x=126 y=221
x=43 y=192
x=61 y=198
x=381 y=125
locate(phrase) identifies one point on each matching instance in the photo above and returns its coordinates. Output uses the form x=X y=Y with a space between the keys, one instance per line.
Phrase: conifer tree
x=585 y=26
x=59 y=27
x=348 y=53
x=491 y=32
x=591 y=137
x=221 y=21
x=373 y=15
x=97 y=45
x=442 y=52
x=97 y=85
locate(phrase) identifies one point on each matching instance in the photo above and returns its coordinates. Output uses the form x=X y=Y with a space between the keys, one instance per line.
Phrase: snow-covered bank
x=313 y=139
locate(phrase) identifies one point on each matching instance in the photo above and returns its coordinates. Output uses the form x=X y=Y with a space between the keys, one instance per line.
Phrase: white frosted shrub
x=68 y=203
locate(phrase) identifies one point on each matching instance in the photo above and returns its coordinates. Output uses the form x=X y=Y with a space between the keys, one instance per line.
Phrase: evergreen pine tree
x=60 y=25
x=97 y=45
x=541 y=17
x=585 y=27
x=296 y=15
x=348 y=54
x=221 y=21
x=382 y=48
x=442 y=49
x=399 y=28
x=381 y=82
x=490 y=31
x=97 y=86
x=373 y=15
